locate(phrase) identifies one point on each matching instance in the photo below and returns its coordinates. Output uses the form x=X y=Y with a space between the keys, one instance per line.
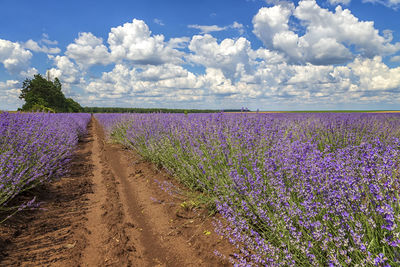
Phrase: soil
x=111 y=211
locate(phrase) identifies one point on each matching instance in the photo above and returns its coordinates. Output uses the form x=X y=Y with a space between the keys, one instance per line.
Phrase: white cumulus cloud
x=134 y=42
x=146 y=84
x=179 y=42
x=229 y=55
x=270 y=21
x=328 y=35
x=375 y=75
x=13 y=56
x=65 y=70
x=9 y=93
x=215 y=80
x=310 y=55
x=162 y=72
x=88 y=50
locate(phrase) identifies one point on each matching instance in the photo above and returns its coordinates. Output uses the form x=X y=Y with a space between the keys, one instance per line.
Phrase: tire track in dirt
x=165 y=233
x=110 y=211
x=150 y=221
x=108 y=243
x=94 y=252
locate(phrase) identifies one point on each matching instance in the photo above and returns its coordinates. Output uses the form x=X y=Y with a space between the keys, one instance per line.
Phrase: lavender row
x=35 y=148
x=296 y=189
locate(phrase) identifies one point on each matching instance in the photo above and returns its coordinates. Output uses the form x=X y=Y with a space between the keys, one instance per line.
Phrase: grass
x=296 y=189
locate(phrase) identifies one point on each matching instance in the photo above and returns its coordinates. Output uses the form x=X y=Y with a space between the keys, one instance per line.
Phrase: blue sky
x=267 y=55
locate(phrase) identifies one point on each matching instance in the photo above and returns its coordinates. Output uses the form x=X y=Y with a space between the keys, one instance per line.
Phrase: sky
x=218 y=54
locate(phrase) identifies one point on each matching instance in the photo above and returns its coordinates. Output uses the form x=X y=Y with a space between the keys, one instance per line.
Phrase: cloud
x=375 y=75
x=388 y=3
x=207 y=28
x=116 y=82
x=9 y=86
x=215 y=28
x=269 y=80
x=269 y=21
x=166 y=83
x=320 y=62
x=362 y=80
x=344 y=27
x=34 y=46
x=13 y=56
x=162 y=72
x=159 y=22
x=179 y=42
x=46 y=40
x=134 y=42
x=9 y=93
x=215 y=80
x=328 y=36
x=42 y=46
x=395 y=59
x=338 y=2
x=65 y=70
x=267 y=56
x=29 y=73
x=146 y=84
x=238 y=26
x=229 y=55
x=131 y=42
x=88 y=50
x=236 y=73
x=309 y=74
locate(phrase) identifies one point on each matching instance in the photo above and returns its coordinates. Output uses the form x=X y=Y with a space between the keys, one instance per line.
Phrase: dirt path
x=120 y=216
x=56 y=234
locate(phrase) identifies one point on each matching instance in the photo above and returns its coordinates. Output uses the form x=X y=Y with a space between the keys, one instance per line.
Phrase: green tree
x=73 y=106
x=39 y=92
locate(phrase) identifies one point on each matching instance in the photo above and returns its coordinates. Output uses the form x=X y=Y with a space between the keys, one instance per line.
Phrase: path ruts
x=110 y=211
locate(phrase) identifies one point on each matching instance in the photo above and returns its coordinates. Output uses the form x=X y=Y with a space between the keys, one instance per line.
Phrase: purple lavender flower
x=295 y=189
x=35 y=148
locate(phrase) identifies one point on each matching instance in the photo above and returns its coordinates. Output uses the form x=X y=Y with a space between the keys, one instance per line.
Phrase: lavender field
x=295 y=189
x=35 y=148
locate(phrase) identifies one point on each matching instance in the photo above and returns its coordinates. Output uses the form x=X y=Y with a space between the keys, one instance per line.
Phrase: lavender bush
x=295 y=189
x=35 y=148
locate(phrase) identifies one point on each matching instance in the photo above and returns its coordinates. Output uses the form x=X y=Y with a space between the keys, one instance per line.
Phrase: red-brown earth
x=110 y=211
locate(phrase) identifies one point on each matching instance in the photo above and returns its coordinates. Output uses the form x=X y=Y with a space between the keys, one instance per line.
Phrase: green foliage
x=73 y=106
x=286 y=172
x=151 y=110
x=41 y=108
x=43 y=95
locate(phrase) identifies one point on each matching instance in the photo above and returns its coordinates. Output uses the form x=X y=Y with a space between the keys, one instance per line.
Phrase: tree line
x=151 y=110
x=44 y=95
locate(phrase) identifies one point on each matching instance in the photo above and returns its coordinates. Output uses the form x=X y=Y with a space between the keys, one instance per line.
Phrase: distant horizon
x=261 y=54
x=261 y=111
